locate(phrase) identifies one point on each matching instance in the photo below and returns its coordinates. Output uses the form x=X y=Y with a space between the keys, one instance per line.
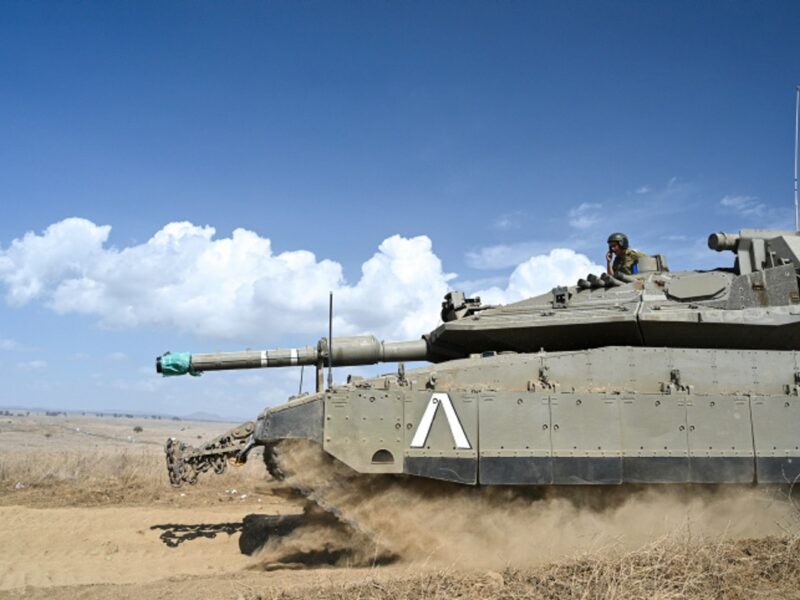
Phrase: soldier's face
x=615 y=248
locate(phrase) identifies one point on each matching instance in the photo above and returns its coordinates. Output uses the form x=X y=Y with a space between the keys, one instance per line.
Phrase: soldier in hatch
x=621 y=259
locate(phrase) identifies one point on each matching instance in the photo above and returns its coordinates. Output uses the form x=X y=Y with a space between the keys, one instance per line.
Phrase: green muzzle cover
x=177 y=363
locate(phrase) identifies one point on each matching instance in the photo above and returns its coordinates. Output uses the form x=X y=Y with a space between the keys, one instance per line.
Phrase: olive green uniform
x=624 y=264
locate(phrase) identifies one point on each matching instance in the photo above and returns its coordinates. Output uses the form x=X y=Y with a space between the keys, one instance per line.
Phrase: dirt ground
x=86 y=512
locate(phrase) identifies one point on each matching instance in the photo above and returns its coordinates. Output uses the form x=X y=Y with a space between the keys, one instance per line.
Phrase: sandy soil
x=84 y=501
x=68 y=546
x=86 y=512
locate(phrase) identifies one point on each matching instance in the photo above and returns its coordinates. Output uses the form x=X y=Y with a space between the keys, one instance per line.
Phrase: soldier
x=620 y=258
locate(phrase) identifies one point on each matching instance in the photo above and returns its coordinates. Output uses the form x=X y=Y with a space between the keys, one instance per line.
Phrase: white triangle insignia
x=421 y=435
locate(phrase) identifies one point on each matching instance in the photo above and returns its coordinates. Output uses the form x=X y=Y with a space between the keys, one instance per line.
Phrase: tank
x=656 y=378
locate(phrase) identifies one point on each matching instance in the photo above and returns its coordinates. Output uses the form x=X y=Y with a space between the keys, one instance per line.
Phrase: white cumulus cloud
x=237 y=288
x=64 y=250
x=234 y=288
x=540 y=274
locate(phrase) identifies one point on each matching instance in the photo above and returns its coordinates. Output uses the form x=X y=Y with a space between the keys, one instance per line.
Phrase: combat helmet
x=620 y=238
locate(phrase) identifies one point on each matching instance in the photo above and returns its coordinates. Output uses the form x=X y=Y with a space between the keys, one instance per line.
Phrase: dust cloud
x=435 y=523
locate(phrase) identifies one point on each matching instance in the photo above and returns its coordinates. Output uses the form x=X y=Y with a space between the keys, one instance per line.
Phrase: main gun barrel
x=347 y=351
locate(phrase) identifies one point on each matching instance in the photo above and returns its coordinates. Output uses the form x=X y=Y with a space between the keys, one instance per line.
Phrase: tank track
x=272 y=463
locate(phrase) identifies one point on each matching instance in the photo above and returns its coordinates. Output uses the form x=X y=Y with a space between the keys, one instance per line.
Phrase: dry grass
x=107 y=476
x=41 y=469
x=672 y=568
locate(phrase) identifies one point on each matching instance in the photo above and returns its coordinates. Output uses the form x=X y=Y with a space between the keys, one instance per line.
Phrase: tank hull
x=604 y=416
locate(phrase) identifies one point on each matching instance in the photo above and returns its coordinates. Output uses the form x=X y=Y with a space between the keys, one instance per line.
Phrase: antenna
x=796 y=135
x=330 y=341
x=300 y=391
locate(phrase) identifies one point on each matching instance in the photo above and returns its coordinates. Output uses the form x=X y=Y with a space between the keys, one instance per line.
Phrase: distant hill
x=195 y=416
x=206 y=416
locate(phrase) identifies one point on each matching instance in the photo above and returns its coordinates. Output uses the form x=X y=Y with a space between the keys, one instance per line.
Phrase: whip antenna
x=330 y=341
x=300 y=391
x=796 y=134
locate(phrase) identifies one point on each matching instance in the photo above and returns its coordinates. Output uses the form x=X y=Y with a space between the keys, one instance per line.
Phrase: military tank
x=656 y=378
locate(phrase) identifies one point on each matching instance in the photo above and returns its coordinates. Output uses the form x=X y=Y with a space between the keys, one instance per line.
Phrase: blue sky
x=445 y=144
